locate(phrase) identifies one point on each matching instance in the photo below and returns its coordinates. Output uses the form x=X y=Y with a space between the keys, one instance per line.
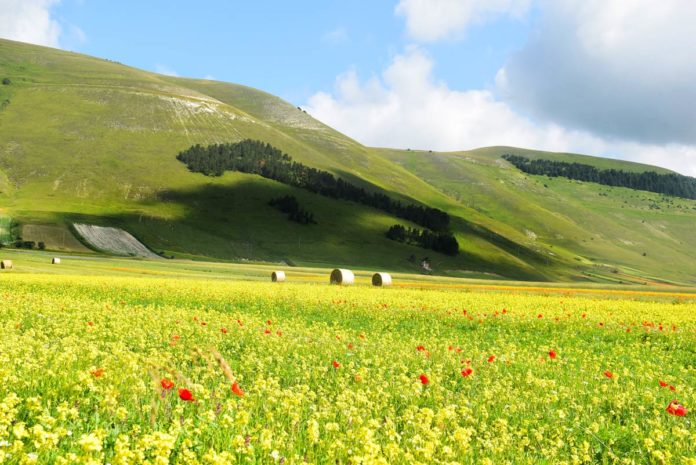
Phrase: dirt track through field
x=113 y=240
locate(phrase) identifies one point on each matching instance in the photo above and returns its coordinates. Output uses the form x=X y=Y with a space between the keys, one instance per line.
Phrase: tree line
x=442 y=242
x=669 y=183
x=289 y=204
x=257 y=157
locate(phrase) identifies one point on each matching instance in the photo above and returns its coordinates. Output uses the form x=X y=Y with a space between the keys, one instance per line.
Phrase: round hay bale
x=342 y=277
x=381 y=279
x=55 y=261
x=6 y=264
x=278 y=276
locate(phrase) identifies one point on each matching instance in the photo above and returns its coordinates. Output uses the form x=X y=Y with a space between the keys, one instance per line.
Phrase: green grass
x=5 y=229
x=95 y=141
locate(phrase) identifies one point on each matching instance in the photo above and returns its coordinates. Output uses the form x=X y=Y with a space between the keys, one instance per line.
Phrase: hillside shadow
x=461 y=224
x=230 y=220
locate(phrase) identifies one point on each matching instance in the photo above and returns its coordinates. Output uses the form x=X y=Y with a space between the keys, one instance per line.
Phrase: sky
x=603 y=77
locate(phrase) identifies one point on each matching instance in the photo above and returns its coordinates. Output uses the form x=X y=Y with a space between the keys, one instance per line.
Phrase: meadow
x=129 y=364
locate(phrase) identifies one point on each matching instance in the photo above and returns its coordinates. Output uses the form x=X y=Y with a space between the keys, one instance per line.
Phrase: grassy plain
x=325 y=374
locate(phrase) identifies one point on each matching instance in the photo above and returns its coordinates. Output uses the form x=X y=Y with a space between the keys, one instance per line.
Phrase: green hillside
x=90 y=140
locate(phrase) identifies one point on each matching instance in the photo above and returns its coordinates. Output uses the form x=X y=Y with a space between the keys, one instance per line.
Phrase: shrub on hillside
x=443 y=242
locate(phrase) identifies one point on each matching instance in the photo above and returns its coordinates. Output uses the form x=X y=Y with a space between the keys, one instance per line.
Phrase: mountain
x=86 y=140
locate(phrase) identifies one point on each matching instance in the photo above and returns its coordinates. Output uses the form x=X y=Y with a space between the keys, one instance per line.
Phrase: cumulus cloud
x=406 y=107
x=430 y=20
x=620 y=69
x=29 y=21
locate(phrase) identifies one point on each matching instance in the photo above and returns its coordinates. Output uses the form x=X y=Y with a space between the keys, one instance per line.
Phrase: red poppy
x=269 y=322
x=237 y=390
x=420 y=348
x=223 y=330
x=467 y=372
x=672 y=388
x=166 y=384
x=335 y=364
x=491 y=359
x=279 y=333
x=676 y=409
x=450 y=348
x=552 y=354
x=608 y=374
x=267 y=331
x=663 y=384
x=350 y=345
x=540 y=316
x=424 y=379
x=97 y=373
x=504 y=311
x=239 y=322
x=89 y=323
x=185 y=394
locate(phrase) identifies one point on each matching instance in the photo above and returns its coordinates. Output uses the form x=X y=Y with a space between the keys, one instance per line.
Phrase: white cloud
x=29 y=21
x=336 y=36
x=166 y=70
x=620 y=69
x=430 y=20
x=406 y=107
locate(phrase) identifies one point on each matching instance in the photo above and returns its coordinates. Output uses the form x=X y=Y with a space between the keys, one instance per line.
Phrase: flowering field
x=149 y=370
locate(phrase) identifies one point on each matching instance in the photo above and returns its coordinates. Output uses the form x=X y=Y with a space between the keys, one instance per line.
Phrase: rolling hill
x=86 y=140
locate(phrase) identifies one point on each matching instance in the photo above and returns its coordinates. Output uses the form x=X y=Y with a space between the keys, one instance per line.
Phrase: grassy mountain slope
x=94 y=141
x=642 y=233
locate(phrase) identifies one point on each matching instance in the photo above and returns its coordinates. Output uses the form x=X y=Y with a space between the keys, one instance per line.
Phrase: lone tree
x=6 y=81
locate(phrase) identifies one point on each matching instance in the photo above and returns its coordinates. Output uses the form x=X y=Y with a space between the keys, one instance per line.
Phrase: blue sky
x=291 y=49
x=603 y=77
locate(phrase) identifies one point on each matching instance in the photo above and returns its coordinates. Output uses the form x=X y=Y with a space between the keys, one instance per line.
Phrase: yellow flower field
x=141 y=371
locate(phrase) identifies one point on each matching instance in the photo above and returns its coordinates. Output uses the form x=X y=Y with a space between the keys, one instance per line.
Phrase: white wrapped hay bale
x=278 y=276
x=342 y=277
x=381 y=279
x=6 y=264
x=55 y=261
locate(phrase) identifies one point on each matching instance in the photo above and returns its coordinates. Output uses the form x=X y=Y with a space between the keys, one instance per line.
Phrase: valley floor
x=125 y=361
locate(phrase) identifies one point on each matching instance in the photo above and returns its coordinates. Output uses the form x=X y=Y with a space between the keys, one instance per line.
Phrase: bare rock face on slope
x=113 y=240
